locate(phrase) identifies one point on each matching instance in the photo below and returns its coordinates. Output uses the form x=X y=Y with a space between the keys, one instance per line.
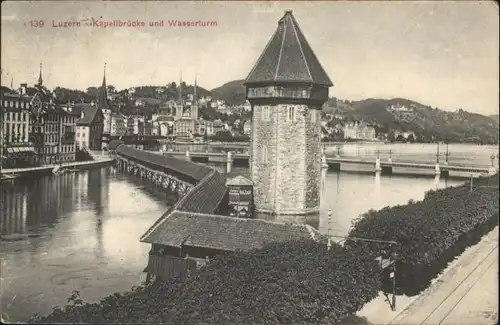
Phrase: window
x=291 y=113
x=313 y=116
x=264 y=154
x=266 y=113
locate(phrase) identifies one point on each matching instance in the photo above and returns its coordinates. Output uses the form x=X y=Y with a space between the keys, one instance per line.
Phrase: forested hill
x=427 y=122
x=232 y=92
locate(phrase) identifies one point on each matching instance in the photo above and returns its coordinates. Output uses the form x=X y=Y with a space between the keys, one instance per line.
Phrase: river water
x=81 y=231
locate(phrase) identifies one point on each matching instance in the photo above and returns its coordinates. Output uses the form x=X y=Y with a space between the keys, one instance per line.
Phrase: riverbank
x=64 y=167
x=466 y=292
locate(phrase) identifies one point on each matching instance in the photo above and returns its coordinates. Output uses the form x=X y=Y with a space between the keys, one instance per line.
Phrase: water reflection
x=73 y=231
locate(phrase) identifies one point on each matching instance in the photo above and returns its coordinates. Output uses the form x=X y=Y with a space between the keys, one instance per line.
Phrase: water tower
x=287 y=88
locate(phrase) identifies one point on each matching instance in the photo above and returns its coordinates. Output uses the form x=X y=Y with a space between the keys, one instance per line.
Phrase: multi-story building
x=118 y=125
x=89 y=128
x=67 y=144
x=163 y=125
x=135 y=125
x=218 y=126
x=184 y=127
x=285 y=164
x=16 y=150
x=359 y=131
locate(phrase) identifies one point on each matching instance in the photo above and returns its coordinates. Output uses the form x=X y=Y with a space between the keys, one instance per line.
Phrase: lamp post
x=437 y=154
x=447 y=154
x=492 y=160
x=382 y=259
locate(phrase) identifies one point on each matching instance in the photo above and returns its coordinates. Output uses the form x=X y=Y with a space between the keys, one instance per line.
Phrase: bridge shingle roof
x=187 y=168
x=223 y=233
x=206 y=196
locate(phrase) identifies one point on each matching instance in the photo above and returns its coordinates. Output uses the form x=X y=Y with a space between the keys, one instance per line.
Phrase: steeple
x=181 y=101
x=194 y=106
x=102 y=100
x=195 y=99
x=40 y=80
x=179 y=109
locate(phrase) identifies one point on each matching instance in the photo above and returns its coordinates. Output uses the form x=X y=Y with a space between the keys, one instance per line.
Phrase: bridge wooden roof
x=223 y=233
x=288 y=57
x=189 y=169
x=206 y=196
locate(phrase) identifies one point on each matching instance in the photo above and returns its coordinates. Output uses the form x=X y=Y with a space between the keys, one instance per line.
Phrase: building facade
x=118 y=125
x=359 y=131
x=17 y=151
x=89 y=128
x=285 y=159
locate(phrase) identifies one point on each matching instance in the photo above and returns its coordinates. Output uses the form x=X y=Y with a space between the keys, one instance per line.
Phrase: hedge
x=284 y=283
x=432 y=232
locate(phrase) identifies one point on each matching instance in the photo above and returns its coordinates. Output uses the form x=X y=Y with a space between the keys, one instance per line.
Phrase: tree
x=93 y=92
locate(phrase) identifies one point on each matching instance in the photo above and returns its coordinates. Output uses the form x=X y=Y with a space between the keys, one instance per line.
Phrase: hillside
x=494 y=117
x=232 y=92
x=428 y=123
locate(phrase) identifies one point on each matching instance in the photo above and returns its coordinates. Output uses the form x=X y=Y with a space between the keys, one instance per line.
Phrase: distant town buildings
x=118 y=125
x=359 y=131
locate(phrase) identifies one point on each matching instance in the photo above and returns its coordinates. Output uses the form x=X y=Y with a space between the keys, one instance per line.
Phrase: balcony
x=290 y=92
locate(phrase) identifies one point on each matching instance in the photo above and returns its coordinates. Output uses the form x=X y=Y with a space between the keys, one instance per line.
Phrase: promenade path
x=466 y=293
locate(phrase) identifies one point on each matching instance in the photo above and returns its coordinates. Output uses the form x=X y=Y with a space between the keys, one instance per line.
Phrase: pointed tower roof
x=288 y=57
x=102 y=100
x=181 y=101
x=40 y=80
x=194 y=91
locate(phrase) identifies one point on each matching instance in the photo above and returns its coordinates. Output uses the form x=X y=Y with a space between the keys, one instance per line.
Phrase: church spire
x=40 y=80
x=195 y=98
x=180 y=92
x=102 y=101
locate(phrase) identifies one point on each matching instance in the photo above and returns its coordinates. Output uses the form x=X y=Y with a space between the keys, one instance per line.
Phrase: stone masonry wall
x=313 y=159
x=289 y=181
x=263 y=172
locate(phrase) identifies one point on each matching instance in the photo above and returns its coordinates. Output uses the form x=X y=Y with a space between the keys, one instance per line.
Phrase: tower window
x=264 y=154
x=313 y=116
x=266 y=113
x=291 y=113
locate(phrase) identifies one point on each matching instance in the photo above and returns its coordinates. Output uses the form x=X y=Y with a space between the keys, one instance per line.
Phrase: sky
x=443 y=54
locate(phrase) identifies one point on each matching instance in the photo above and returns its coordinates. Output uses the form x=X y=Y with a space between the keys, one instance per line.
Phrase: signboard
x=241 y=201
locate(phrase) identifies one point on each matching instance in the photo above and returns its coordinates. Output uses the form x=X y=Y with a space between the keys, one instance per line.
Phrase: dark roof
x=206 y=196
x=223 y=233
x=102 y=100
x=239 y=181
x=90 y=112
x=288 y=57
x=113 y=144
x=188 y=168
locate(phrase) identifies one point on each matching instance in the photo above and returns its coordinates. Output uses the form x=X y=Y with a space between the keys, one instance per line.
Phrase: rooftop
x=223 y=233
x=196 y=171
x=288 y=58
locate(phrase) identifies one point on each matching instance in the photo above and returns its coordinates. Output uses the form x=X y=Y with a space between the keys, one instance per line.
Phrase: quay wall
x=43 y=170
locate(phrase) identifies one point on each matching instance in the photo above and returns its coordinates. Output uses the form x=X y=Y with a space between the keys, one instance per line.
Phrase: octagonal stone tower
x=287 y=88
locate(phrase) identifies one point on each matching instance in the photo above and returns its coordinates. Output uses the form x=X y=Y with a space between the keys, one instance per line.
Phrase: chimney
x=82 y=115
x=92 y=103
x=23 y=88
